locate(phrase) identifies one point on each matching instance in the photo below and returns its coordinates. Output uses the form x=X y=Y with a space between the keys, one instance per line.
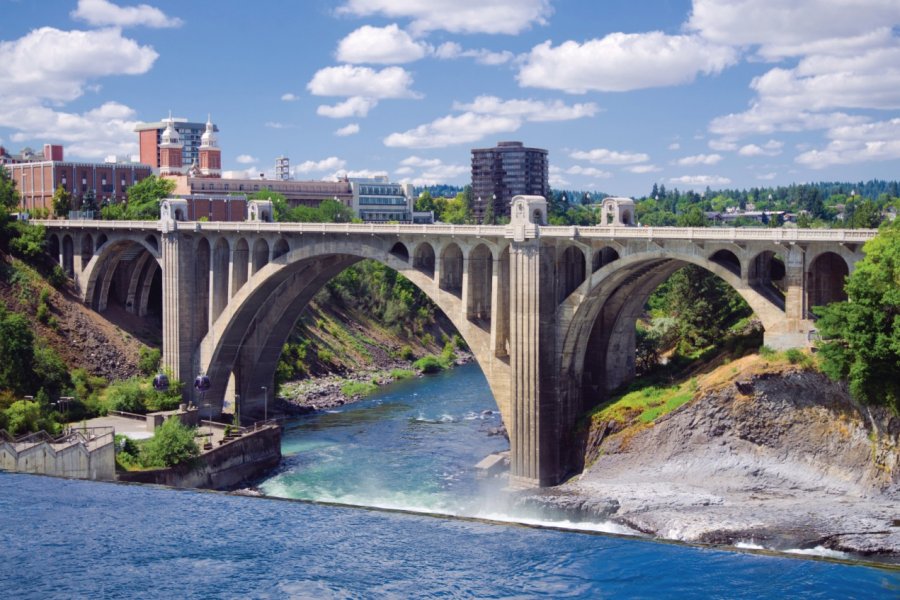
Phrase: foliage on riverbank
x=172 y=444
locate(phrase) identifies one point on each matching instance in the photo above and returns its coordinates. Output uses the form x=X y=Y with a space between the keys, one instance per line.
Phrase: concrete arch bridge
x=549 y=312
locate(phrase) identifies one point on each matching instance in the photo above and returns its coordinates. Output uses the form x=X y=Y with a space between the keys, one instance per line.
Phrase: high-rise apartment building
x=507 y=170
x=189 y=133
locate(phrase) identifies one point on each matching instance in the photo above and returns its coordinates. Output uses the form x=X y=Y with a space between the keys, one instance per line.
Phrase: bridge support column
x=795 y=333
x=179 y=297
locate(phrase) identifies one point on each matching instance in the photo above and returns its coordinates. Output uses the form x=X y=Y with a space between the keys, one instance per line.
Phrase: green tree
x=172 y=444
x=23 y=416
x=279 y=202
x=333 y=211
x=693 y=217
x=9 y=195
x=89 y=201
x=425 y=202
x=866 y=215
x=862 y=335
x=16 y=352
x=29 y=240
x=61 y=201
x=145 y=196
x=703 y=305
x=488 y=217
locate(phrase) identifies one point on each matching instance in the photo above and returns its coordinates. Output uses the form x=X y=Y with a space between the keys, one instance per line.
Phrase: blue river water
x=412 y=446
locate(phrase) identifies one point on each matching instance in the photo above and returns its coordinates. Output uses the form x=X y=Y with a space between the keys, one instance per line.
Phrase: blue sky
x=725 y=93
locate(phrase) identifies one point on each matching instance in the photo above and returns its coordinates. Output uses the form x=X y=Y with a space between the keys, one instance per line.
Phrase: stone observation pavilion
x=549 y=312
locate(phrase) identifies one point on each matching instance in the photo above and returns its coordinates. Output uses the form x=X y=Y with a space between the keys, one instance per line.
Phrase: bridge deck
x=721 y=234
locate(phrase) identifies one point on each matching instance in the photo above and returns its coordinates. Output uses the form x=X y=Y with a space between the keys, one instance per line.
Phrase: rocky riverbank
x=781 y=460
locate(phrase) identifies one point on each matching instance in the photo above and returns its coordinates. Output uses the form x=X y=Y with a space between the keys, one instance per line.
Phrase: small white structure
x=526 y=214
x=260 y=211
x=617 y=211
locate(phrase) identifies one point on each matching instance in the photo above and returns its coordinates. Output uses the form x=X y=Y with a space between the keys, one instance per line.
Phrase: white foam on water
x=818 y=551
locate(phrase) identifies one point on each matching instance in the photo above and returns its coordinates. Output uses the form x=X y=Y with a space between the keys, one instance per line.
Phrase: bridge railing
x=587 y=232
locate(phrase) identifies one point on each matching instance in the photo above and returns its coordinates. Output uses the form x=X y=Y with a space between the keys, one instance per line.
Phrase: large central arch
x=246 y=339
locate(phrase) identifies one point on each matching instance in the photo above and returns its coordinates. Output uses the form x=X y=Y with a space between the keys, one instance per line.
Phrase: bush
x=358 y=389
x=57 y=277
x=23 y=416
x=126 y=396
x=767 y=352
x=406 y=353
x=149 y=359
x=173 y=444
x=795 y=356
x=429 y=364
x=399 y=374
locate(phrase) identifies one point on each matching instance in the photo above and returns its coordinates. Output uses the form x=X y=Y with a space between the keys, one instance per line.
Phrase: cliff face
x=781 y=458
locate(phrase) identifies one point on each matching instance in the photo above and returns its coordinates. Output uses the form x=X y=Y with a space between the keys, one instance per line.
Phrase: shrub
x=429 y=364
x=56 y=277
x=324 y=355
x=767 y=352
x=148 y=362
x=406 y=353
x=795 y=356
x=357 y=389
x=402 y=374
x=126 y=396
x=173 y=444
x=23 y=416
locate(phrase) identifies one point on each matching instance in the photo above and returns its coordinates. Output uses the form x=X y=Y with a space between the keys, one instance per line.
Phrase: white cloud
x=762 y=119
x=404 y=171
x=380 y=45
x=770 y=148
x=602 y=156
x=277 y=125
x=57 y=65
x=588 y=172
x=530 y=110
x=93 y=134
x=674 y=146
x=246 y=159
x=417 y=161
x=791 y=27
x=868 y=142
x=356 y=106
x=700 y=180
x=622 y=62
x=723 y=145
x=457 y=16
x=559 y=181
x=326 y=164
x=641 y=169
x=289 y=97
x=48 y=67
x=699 y=159
x=456 y=129
x=767 y=176
x=350 y=129
x=348 y=80
x=101 y=13
x=482 y=56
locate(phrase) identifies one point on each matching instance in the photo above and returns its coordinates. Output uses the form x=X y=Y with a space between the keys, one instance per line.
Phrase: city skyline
x=685 y=94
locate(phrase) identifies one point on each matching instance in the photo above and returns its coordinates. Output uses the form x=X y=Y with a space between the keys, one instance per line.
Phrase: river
x=412 y=446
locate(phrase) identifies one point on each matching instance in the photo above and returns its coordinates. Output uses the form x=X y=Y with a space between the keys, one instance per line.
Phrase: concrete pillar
x=500 y=306
x=465 y=296
x=795 y=329
x=534 y=431
x=178 y=307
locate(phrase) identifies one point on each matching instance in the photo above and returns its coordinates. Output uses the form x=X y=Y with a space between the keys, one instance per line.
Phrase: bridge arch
x=260 y=255
x=241 y=255
x=452 y=269
x=423 y=258
x=97 y=274
x=603 y=256
x=598 y=341
x=247 y=337
x=825 y=276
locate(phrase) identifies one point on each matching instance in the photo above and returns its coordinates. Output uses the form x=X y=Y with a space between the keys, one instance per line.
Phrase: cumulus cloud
x=674 y=146
x=326 y=164
x=101 y=13
x=356 y=106
x=770 y=148
x=450 y=50
x=530 y=110
x=456 y=16
x=380 y=45
x=782 y=28
x=351 y=129
x=700 y=180
x=289 y=97
x=588 y=172
x=878 y=141
x=723 y=145
x=362 y=174
x=602 y=156
x=622 y=62
x=455 y=129
x=48 y=67
x=418 y=161
x=699 y=159
x=246 y=159
x=277 y=125
x=57 y=65
x=348 y=80
x=641 y=169
x=767 y=176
